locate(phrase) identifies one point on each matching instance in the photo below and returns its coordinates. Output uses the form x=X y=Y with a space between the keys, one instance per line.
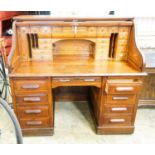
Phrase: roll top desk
x=99 y=54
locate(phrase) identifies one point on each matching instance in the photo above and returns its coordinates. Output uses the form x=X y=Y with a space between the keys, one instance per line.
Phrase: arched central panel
x=74 y=47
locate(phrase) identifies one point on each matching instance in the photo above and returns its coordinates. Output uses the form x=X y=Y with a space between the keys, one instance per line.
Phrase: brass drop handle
x=89 y=80
x=30 y=86
x=64 y=80
x=119 y=109
x=124 y=89
x=34 y=122
x=121 y=120
x=34 y=111
x=32 y=99
x=120 y=98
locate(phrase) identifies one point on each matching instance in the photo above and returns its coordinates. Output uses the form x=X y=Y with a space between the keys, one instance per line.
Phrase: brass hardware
x=120 y=98
x=34 y=122
x=121 y=120
x=30 y=86
x=64 y=80
x=35 y=111
x=89 y=80
x=124 y=88
x=32 y=99
x=119 y=109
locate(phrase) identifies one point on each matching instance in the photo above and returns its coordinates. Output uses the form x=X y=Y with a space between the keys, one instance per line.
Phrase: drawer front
x=121 y=109
x=91 y=32
x=30 y=99
x=123 y=99
x=79 y=81
x=63 y=32
x=123 y=88
x=32 y=111
x=103 y=32
x=117 y=120
x=35 y=123
x=81 y=32
x=68 y=32
x=30 y=85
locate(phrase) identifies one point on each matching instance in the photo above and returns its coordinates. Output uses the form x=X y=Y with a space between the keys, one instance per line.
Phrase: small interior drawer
x=32 y=99
x=117 y=120
x=30 y=84
x=123 y=87
x=76 y=81
x=32 y=111
x=34 y=122
x=121 y=109
x=123 y=99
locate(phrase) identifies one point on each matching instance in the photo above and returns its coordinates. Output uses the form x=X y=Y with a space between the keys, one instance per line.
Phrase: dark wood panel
x=72 y=93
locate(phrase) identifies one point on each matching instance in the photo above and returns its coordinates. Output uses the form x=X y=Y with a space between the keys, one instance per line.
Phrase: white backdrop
x=83 y=7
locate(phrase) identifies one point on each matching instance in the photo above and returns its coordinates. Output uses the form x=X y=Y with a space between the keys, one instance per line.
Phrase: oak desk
x=94 y=53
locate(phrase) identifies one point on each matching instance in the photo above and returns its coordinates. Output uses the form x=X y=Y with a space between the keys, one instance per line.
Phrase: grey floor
x=73 y=124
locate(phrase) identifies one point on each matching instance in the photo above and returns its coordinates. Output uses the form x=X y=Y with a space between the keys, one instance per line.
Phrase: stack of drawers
x=33 y=104
x=120 y=104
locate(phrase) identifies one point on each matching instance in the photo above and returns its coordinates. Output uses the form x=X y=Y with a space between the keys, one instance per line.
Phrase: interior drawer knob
x=124 y=88
x=121 y=120
x=119 y=109
x=34 y=111
x=30 y=86
x=32 y=99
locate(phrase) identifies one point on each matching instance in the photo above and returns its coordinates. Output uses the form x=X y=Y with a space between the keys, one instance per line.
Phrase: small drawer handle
x=124 y=88
x=119 y=109
x=30 y=86
x=35 y=111
x=120 y=98
x=64 y=80
x=89 y=80
x=121 y=120
x=34 y=122
x=33 y=99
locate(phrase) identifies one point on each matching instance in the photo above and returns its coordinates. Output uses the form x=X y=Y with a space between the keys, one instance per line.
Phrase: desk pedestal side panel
x=33 y=105
x=115 y=105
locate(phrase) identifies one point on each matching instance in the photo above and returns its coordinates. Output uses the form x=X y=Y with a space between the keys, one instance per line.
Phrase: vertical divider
x=29 y=44
x=113 y=40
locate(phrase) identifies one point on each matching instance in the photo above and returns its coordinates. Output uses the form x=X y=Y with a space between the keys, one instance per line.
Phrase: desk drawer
x=32 y=111
x=30 y=85
x=123 y=99
x=117 y=120
x=32 y=99
x=35 y=123
x=118 y=109
x=76 y=81
x=123 y=87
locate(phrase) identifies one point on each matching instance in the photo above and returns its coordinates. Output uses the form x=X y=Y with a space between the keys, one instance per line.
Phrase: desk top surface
x=74 y=66
x=60 y=17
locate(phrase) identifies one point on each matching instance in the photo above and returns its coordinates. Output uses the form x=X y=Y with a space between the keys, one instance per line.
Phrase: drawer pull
x=33 y=99
x=64 y=80
x=120 y=98
x=34 y=122
x=89 y=80
x=117 y=120
x=124 y=88
x=119 y=109
x=36 y=111
x=30 y=86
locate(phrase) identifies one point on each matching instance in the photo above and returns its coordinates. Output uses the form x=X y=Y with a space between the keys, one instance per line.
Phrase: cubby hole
x=112 y=45
x=76 y=47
